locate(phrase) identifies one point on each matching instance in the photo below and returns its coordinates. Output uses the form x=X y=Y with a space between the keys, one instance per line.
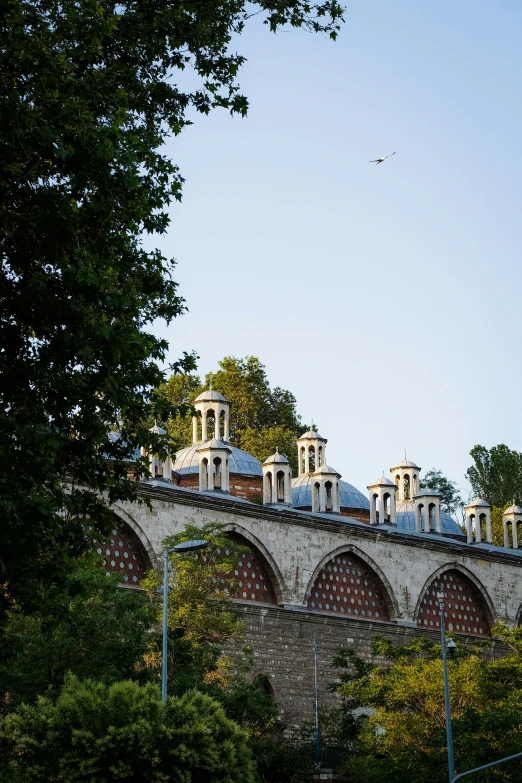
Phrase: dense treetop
x=89 y=92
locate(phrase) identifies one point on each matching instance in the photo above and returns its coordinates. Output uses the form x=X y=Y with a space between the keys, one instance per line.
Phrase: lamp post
x=445 y=644
x=185 y=546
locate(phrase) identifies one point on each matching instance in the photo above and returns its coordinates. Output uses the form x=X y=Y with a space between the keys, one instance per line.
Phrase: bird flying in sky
x=380 y=160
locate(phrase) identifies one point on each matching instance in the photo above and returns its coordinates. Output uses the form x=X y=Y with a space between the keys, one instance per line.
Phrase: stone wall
x=282 y=643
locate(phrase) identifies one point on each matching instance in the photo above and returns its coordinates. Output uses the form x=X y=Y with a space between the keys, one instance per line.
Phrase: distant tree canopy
x=451 y=499
x=261 y=417
x=496 y=474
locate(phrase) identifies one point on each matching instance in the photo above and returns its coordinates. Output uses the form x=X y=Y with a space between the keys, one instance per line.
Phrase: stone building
x=324 y=557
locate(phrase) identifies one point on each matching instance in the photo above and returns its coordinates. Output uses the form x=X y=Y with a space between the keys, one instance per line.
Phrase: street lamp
x=446 y=644
x=185 y=546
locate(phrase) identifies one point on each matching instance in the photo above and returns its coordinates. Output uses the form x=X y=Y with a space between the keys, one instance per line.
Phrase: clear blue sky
x=387 y=298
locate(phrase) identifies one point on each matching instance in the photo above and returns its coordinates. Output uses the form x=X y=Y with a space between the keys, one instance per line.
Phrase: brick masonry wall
x=245 y=487
x=282 y=643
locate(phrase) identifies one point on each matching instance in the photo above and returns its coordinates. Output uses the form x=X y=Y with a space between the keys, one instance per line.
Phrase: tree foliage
x=93 y=628
x=89 y=94
x=262 y=418
x=122 y=732
x=451 y=499
x=496 y=474
x=403 y=735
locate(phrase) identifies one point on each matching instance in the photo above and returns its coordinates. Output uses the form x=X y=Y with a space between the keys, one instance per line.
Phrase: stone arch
x=473 y=615
x=125 y=517
x=266 y=559
x=125 y=551
x=380 y=586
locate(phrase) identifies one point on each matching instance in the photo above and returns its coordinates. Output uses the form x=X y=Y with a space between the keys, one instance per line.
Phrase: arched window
x=386 y=507
x=204 y=474
x=311 y=458
x=302 y=459
x=316 y=489
x=347 y=586
x=124 y=554
x=218 y=474
x=320 y=456
x=464 y=606
x=329 y=495
x=280 y=486
x=407 y=487
x=252 y=576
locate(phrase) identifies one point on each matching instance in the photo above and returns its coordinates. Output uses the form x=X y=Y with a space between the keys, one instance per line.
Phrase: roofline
x=310 y=520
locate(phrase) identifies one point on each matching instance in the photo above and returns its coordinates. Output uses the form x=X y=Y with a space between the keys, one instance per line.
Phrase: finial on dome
x=210 y=389
x=277 y=452
x=405 y=454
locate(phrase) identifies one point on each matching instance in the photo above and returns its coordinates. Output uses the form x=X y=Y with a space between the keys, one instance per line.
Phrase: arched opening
x=329 y=495
x=270 y=485
x=407 y=487
x=418 y=516
x=386 y=507
x=302 y=461
x=123 y=553
x=263 y=685
x=204 y=474
x=311 y=458
x=482 y=526
x=221 y=428
x=280 y=486
x=251 y=575
x=464 y=606
x=218 y=472
x=414 y=485
x=375 y=502
x=347 y=586
x=320 y=456
x=430 y=522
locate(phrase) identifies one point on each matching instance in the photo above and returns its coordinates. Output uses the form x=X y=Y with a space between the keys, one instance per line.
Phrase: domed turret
x=277 y=480
x=311 y=449
x=406 y=477
x=211 y=404
x=511 y=516
x=478 y=512
x=382 y=493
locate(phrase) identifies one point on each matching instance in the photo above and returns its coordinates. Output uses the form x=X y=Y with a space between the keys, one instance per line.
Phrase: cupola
x=511 y=516
x=311 y=451
x=159 y=467
x=406 y=478
x=477 y=513
x=383 y=507
x=211 y=405
x=325 y=490
x=213 y=466
x=427 y=509
x=277 y=480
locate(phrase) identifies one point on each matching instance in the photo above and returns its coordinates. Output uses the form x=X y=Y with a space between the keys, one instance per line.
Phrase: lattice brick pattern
x=124 y=553
x=252 y=579
x=464 y=612
x=347 y=586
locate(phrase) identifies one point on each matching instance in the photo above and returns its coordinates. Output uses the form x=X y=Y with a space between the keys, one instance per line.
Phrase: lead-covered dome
x=349 y=497
x=239 y=462
x=406 y=520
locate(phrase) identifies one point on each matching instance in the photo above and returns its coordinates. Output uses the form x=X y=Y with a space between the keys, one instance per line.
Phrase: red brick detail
x=125 y=554
x=245 y=487
x=348 y=587
x=251 y=575
x=463 y=604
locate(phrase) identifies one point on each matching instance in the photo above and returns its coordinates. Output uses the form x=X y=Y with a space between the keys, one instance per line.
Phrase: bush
x=94 y=733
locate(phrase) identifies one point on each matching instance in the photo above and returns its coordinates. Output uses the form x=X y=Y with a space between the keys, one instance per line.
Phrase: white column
x=322 y=497
x=210 y=473
x=203 y=478
x=438 y=519
x=469 y=527
x=194 y=429
x=418 y=519
x=315 y=499
x=274 y=487
x=337 y=500
x=217 y=423
x=225 y=475
x=204 y=426
x=506 y=536
x=514 y=531
x=393 y=509
x=373 y=510
x=226 y=435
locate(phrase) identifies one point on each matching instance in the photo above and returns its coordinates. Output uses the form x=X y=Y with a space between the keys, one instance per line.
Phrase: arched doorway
x=465 y=610
x=349 y=587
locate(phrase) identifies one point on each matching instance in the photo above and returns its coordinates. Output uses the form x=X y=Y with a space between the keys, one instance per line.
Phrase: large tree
x=496 y=474
x=89 y=94
x=403 y=735
x=450 y=495
x=262 y=418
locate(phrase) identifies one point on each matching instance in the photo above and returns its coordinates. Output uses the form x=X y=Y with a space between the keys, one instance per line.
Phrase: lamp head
x=450 y=646
x=189 y=546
